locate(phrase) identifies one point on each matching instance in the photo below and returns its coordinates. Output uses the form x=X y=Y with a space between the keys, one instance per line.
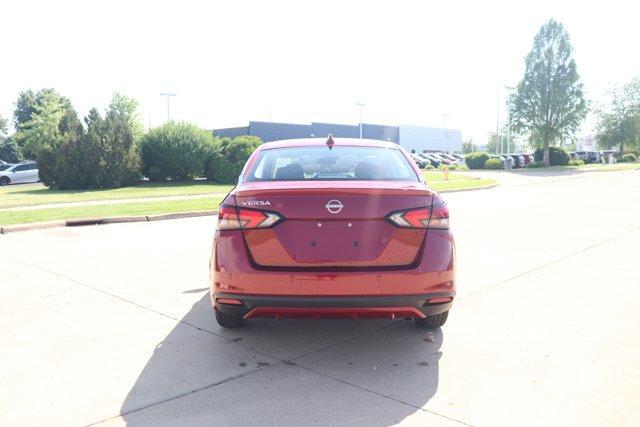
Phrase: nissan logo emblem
x=334 y=206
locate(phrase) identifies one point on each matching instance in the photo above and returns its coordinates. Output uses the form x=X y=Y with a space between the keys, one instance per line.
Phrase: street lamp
x=168 y=96
x=361 y=105
x=445 y=116
x=509 y=91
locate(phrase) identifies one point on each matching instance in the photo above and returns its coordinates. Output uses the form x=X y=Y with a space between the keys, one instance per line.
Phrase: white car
x=20 y=173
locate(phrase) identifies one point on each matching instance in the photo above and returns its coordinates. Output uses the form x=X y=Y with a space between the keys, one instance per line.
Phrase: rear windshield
x=340 y=163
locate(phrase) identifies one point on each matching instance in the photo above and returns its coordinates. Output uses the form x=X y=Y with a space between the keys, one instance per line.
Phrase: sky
x=439 y=64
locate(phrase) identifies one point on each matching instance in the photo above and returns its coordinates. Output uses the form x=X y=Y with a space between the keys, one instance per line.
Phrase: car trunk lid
x=333 y=224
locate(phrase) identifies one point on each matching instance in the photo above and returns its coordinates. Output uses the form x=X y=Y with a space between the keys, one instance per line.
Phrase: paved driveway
x=112 y=324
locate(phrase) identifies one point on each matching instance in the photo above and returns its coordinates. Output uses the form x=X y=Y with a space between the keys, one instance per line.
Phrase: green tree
x=226 y=162
x=9 y=150
x=127 y=108
x=29 y=102
x=549 y=103
x=175 y=151
x=619 y=125
x=468 y=147
x=101 y=156
x=25 y=107
x=493 y=146
x=4 y=128
x=41 y=119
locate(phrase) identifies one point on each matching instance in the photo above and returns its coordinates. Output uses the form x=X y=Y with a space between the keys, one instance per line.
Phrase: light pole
x=361 y=105
x=168 y=96
x=445 y=116
x=509 y=90
x=497 y=120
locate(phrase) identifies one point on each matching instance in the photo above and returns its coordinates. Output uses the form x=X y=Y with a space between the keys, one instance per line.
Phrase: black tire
x=4 y=180
x=228 y=320
x=432 y=322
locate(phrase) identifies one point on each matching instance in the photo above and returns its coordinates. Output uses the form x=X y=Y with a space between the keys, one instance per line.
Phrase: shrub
x=578 y=162
x=10 y=152
x=429 y=167
x=629 y=157
x=175 y=151
x=557 y=156
x=225 y=163
x=537 y=165
x=493 y=163
x=102 y=155
x=442 y=167
x=476 y=160
x=462 y=167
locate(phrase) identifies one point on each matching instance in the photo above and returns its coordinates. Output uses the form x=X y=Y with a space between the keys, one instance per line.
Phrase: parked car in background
x=518 y=160
x=4 y=165
x=588 y=156
x=449 y=157
x=420 y=161
x=443 y=160
x=20 y=173
x=435 y=162
x=528 y=159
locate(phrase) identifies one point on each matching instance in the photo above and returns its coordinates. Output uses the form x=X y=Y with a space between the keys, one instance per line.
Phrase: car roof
x=310 y=142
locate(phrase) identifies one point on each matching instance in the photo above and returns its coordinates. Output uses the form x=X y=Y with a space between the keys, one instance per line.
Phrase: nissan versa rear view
x=321 y=228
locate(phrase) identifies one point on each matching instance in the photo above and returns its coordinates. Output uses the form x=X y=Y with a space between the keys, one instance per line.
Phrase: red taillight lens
x=230 y=218
x=436 y=217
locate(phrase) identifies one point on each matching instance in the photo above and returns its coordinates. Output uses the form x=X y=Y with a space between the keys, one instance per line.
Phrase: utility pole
x=498 y=121
x=168 y=96
x=509 y=91
x=445 y=116
x=361 y=105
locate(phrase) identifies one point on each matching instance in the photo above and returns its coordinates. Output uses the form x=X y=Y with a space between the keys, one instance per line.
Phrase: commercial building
x=415 y=139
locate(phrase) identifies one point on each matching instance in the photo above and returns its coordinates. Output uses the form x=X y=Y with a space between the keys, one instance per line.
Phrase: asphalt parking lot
x=112 y=324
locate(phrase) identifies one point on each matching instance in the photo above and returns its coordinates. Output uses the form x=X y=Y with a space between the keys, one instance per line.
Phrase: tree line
x=111 y=149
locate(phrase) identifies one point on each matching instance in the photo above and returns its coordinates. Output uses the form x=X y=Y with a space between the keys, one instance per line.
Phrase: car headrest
x=291 y=171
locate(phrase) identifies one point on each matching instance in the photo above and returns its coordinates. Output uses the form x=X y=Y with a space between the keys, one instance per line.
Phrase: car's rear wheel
x=228 y=320
x=4 y=180
x=433 y=321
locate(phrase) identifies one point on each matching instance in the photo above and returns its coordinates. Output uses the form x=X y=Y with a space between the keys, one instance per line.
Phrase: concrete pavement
x=112 y=325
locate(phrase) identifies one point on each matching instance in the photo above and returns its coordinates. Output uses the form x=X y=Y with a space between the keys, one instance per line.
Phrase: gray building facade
x=416 y=139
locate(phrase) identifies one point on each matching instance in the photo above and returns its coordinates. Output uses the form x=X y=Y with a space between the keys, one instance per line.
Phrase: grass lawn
x=591 y=167
x=38 y=194
x=146 y=208
x=455 y=182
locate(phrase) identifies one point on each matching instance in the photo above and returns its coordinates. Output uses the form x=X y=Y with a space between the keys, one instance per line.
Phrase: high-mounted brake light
x=242 y=219
x=436 y=217
x=330 y=142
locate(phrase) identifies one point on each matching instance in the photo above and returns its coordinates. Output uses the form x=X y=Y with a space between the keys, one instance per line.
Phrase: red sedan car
x=322 y=228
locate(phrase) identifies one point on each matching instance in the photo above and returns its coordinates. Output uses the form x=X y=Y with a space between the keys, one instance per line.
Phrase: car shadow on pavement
x=288 y=372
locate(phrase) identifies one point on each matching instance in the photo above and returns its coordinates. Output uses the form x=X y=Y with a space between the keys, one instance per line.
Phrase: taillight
x=230 y=218
x=436 y=217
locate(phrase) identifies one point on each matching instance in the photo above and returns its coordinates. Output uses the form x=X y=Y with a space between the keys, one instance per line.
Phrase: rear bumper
x=249 y=306
x=232 y=272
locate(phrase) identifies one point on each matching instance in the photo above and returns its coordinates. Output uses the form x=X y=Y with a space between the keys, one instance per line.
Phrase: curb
x=78 y=222
x=457 y=190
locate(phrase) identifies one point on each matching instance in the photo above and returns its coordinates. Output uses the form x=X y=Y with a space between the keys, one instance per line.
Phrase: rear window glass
x=340 y=163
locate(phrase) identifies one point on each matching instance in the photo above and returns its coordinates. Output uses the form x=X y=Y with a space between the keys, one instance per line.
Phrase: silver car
x=20 y=173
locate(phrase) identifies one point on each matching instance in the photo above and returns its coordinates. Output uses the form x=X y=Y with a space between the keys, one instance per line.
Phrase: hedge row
x=182 y=151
